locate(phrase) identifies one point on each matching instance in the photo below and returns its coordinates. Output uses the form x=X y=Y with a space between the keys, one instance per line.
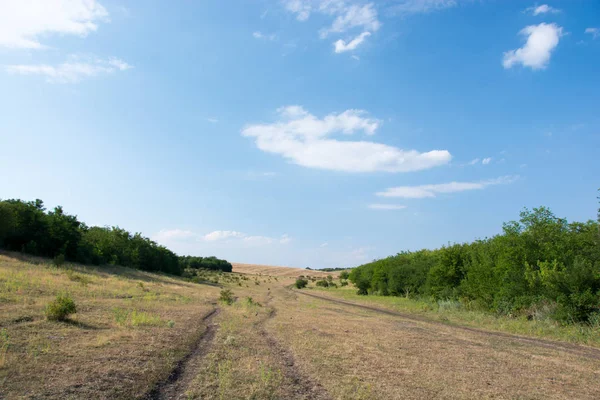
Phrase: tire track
x=186 y=369
x=574 y=349
x=304 y=387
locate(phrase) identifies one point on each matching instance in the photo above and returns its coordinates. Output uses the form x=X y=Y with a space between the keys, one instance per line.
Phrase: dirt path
x=574 y=349
x=184 y=372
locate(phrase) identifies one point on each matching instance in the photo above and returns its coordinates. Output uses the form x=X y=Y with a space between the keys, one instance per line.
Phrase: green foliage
x=59 y=260
x=29 y=228
x=344 y=275
x=301 y=283
x=210 y=263
x=326 y=283
x=60 y=308
x=227 y=297
x=540 y=264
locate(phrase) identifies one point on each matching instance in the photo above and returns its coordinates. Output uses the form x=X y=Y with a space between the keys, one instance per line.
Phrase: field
x=254 y=269
x=147 y=336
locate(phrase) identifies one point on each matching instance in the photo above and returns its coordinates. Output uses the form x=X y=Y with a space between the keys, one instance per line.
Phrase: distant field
x=290 y=272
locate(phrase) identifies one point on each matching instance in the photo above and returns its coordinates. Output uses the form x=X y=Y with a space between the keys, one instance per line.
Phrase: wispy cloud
x=486 y=161
x=307 y=140
x=404 y=7
x=22 y=23
x=348 y=15
x=542 y=9
x=541 y=41
x=212 y=120
x=386 y=207
x=341 y=46
x=74 y=70
x=427 y=191
x=264 y=36
x=180 y=235
x=595 y=32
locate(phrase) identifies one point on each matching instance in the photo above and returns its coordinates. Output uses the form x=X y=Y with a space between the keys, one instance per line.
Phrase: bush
x=59 y=260
x=227 y=297
x=322 y=283
x=301 y=283
x=61 y=308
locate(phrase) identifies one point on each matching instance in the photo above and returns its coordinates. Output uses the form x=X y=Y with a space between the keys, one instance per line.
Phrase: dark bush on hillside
x=301 y=283
x=60 y=308
x=344 y=275
x=540 y=259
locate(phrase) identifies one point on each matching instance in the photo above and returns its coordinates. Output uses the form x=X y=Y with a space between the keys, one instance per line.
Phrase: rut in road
x=185 y=371
x=578 y=350
x=303 y=386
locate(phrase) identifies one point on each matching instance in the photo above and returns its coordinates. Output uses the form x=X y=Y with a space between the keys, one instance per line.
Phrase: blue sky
x=302 y=133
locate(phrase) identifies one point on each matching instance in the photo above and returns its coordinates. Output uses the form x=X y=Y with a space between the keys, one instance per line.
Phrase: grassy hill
x=130 y=328
x=255 y=269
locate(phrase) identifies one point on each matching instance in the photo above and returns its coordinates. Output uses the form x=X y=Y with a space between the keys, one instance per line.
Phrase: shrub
x=61 y=308
x=344 y=275
x=59 y=260
x=322 y=283
x=227 y=297
x=301 y=283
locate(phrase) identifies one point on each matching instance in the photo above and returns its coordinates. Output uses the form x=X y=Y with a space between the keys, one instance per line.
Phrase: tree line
x=29 y=228
x=540 y=264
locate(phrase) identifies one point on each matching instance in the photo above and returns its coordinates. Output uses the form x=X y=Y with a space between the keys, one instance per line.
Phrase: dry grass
x=289 y=272
x=289 y=346
x=370 y=355
x=129 y=329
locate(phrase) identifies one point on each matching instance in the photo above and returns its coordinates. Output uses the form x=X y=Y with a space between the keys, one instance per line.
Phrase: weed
x=170 y=324
x=251 y=302
x=224 y=377
x=227 y=297
x=61 y=308
x=4 y=345
x=77 y=277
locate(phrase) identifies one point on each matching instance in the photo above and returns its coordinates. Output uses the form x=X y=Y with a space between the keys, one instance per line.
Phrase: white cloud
x=212 y=120
x=425 y=191
x=341 y=46
x=543 y=9
x=179 y=235
x=542 y=39
x=174 y=234
x=386 y=207
x=306 y=140
x=260 y=35
x=72 y=71
x=354 y=16
x=301 y=8
x=23 y=22
x=421 y=6
x=474 y=161
x=324 y=244
x=222 y=235
x=486 y=161
x=348 y=15
x=595 y=32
